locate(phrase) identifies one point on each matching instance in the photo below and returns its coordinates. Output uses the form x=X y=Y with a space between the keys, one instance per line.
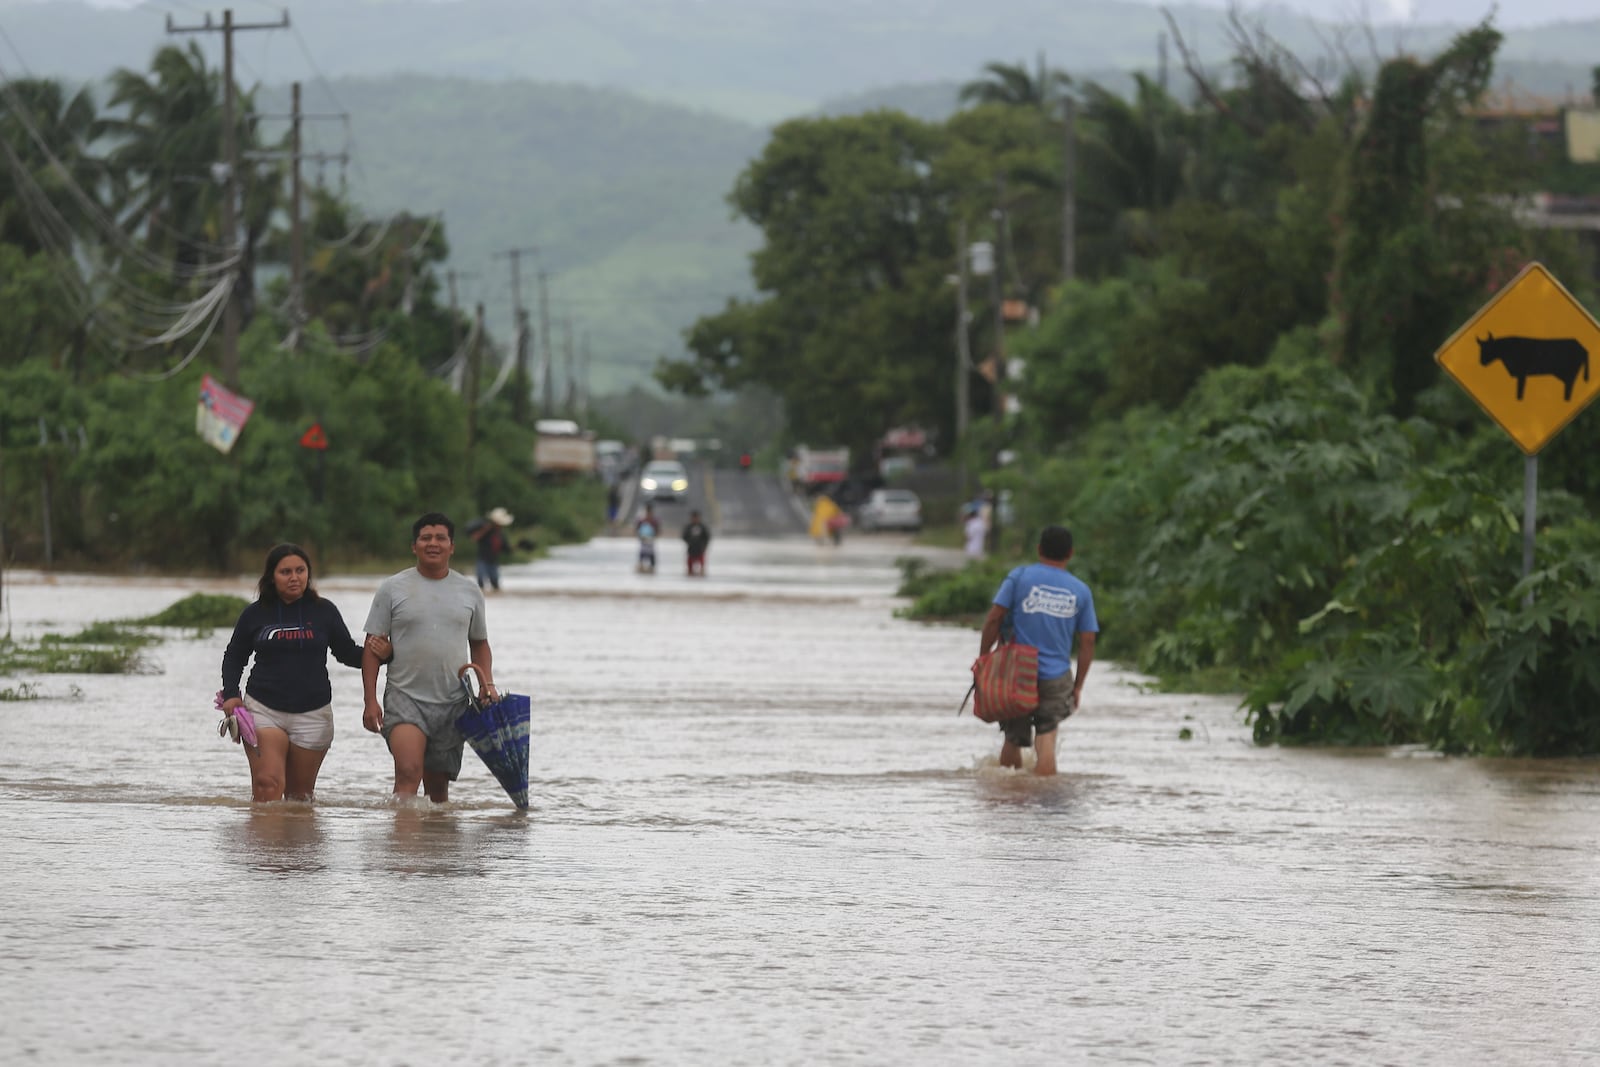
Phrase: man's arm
x=991 y=629
x=1085 y=657
x=371 y=710
x=483 y=658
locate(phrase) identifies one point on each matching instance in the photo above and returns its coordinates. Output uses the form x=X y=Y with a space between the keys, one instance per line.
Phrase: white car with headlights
x=890 y=509
x=664 y=480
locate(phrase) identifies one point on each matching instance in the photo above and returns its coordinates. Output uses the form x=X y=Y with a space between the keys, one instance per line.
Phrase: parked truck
x=813 y=470
x=563 y=449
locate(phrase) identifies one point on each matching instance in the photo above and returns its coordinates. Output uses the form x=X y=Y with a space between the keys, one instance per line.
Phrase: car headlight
x=680 y=485
x=648 y=483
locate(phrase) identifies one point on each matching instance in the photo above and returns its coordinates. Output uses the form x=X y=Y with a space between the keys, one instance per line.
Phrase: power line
x=327 y=87
x=4 y=36
x=107 y=225
x=230 y=307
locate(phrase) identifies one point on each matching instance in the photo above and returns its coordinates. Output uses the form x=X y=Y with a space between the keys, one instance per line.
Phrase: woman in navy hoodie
x=290 y=630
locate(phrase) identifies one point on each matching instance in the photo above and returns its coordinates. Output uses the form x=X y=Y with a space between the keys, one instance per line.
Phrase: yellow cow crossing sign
x=1530 y=357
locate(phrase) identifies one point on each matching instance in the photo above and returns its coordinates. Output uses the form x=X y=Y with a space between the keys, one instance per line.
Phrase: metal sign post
x=1525 y=358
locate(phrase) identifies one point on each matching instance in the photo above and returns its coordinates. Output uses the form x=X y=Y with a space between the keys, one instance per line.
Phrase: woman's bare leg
x=302 y=766
x=267 y=763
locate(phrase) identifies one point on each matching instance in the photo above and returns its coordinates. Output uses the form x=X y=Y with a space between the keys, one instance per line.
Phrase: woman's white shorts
x=306 y=729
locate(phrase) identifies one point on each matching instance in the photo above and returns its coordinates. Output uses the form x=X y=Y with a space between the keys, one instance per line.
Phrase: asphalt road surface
x=733 y=502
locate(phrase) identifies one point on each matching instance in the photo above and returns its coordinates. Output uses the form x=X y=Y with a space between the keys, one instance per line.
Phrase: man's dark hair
x=433 y=518
x=1055 y=543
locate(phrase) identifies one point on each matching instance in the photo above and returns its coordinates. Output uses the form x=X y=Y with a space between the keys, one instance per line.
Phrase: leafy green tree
x=1134 y=159
x=366 y=276
x=1416 y=241
x=37 y=322
x=1007 y=159
x=854 y=330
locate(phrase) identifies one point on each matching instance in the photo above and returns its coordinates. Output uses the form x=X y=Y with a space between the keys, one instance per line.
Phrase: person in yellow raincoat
x=827 y=521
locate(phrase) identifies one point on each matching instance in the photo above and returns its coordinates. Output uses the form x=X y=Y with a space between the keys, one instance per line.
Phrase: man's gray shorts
x=1055 y=704
x=437 y=721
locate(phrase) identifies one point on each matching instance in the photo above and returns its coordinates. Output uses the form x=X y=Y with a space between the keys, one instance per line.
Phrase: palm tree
x=1012 y=85
x=38 y=110
x=168 y=164
x=1135 y=161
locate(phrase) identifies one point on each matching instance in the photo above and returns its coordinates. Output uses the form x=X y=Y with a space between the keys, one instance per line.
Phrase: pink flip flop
x=241 y=725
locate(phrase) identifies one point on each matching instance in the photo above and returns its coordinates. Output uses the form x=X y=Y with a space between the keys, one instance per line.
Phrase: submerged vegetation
x=110 y=647
x=67 y=656
x=201 y=611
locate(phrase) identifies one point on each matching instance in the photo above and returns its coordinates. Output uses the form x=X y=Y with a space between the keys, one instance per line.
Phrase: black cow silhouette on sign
x=1527 y=357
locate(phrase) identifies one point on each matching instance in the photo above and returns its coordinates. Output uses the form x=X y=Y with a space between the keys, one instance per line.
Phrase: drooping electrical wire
x=103 y=222
x=195 y=351
x=327 y=87
x=112 y=320
x=459 y=357
x=506 y=363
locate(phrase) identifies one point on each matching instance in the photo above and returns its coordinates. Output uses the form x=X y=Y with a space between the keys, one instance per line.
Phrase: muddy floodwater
x=761 y=834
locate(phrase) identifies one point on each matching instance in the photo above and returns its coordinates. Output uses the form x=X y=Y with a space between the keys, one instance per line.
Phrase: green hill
x=623 y=198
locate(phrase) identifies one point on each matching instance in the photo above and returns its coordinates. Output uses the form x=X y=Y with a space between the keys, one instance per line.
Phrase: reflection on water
x=421 y=842
x=759 y=835
x=282 y=837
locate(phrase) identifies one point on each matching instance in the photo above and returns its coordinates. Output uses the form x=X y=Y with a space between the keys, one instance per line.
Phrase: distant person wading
x=489 y=534
x=1050 y=609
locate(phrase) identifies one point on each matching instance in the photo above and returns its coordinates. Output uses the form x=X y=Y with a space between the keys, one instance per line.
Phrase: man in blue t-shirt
x=1048 y=608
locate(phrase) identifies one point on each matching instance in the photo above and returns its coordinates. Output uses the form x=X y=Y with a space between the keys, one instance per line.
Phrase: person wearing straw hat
x=490 y=536
x=435 y=619
x=284 y=714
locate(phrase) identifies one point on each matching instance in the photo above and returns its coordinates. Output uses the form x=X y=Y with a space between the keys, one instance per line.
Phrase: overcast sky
x=1512 y=12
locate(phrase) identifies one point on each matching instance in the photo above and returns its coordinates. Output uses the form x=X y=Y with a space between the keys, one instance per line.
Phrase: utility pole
x=230 y=186
x=297 y=244
x=474 y=361
x=455 y=312
x=583 y=373
x=547 y=392
x=997 y=293
x=963 y=347
x=297 y=240
x=521 y=383
x=571 y=402
x=1069 y=190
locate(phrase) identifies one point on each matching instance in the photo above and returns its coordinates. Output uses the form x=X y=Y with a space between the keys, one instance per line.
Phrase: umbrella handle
x=474 y=695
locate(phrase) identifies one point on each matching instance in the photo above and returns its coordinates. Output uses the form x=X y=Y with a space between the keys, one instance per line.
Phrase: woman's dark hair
x=267 y=589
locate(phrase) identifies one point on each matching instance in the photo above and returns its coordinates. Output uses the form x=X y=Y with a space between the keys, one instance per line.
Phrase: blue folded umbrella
x=498 y=733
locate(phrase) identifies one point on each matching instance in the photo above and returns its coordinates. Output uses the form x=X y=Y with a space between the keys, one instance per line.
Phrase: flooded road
x=760 y=834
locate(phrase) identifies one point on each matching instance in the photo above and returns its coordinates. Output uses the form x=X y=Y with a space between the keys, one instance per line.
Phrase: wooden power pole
x=230 y=180
x=521 y=382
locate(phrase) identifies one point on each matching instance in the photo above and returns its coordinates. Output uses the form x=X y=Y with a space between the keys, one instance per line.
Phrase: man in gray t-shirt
x=436 y=621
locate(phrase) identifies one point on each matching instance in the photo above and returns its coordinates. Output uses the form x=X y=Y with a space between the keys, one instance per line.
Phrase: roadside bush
x=1355 y=574
x=962 y=594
